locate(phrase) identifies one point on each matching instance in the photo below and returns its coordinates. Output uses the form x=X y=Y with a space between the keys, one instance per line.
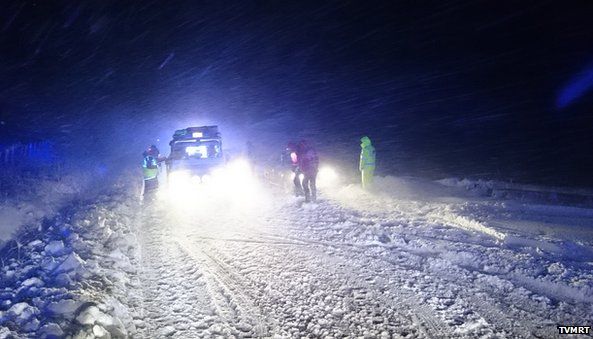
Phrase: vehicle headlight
x=327 y=177
x=179 y=178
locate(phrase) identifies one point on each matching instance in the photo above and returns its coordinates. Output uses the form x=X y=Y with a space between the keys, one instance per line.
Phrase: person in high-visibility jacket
x=150 y=168
x=367 y=162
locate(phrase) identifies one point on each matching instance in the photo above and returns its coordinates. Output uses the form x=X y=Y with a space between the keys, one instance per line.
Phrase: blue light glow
x=578 y=86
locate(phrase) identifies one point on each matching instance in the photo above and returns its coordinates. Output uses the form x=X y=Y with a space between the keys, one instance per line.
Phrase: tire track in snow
x=235 y=304
x=504 y=319
x=396 y=298
x=494 y=314
x=176 y=304
x=432 y=326
x=324 y=247
x=361 y=294
x=429 y=324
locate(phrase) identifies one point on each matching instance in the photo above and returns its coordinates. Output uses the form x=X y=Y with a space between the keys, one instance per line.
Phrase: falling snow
x=479 y=224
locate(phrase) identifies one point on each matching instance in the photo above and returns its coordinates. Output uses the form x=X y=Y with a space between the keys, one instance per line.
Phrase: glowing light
x=232 y=186
x=181 y=188
x=201 y=150
x=578 y=86
x=327 y=177
x=179 y=178
x=197 y=134
x=238 y=177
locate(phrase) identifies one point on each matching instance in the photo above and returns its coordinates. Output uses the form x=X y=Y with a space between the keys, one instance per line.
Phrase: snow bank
x=523 y=192
x=411 y=188
x=469 y=205
x=27 y=197
x=53 y=281
x=478 y=187
x=448 y=217
x=416 y=199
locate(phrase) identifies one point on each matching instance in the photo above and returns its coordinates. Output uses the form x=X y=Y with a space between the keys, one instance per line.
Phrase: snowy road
x=383 y=268
x=414 y=259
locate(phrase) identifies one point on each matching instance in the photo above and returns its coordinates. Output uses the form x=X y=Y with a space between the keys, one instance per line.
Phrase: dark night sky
x=444 y=87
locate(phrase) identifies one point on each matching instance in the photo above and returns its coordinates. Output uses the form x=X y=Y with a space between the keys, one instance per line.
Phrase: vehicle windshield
x=196 y=150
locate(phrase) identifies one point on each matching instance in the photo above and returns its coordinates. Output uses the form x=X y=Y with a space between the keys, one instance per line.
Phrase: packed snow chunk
x=5 y=332
x=9 y=274
x=244 y=327
x=121 y=315
x=55 y=248
x=51 y=330
x=472 y=328
x=72 y=263
x=117 y=329
x=66 y=308
x=120 y=260
x=84 y=334
x=100 y=332
x=63 y=279
x=92 y=315
x=49 y=264
x=21 y=312
x=32 y=282
x=557 y=268
x=35 y=243
x=168 y=331
x=31 y=325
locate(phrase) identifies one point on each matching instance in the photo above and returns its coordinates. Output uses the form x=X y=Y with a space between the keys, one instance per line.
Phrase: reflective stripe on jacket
x=150 y=169
x=367 y=157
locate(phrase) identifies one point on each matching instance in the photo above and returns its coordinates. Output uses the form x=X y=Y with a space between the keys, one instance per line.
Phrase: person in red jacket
x=289 y=159
x=309 y=166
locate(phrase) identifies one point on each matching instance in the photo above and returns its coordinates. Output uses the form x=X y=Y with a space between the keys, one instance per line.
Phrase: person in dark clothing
x=309 y=166
x=290 y=158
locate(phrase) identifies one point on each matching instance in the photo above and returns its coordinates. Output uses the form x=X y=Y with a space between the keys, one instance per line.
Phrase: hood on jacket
x=365 y=141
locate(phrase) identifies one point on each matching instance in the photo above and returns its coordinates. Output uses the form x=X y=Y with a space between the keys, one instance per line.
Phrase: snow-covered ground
x=412 y=259
x=26 y=198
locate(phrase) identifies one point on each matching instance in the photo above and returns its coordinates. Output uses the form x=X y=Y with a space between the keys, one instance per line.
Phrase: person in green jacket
x=367 y=162
x=150 y=169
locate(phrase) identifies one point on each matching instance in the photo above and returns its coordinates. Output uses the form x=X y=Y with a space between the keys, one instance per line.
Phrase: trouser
x=309 y=186
x=150 y=185
x=298 y=187
x=367 y=177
